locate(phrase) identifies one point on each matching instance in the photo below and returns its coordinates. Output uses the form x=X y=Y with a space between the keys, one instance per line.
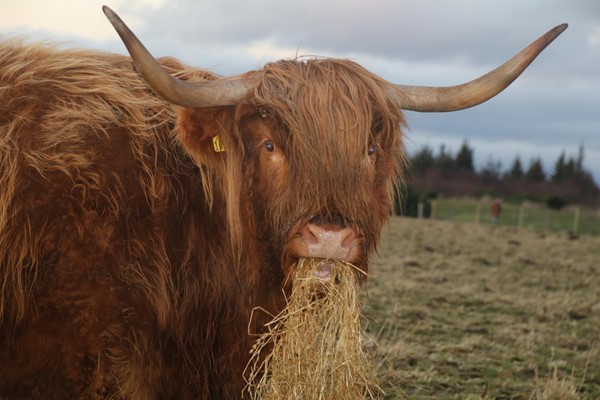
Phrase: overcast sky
x=553 y=107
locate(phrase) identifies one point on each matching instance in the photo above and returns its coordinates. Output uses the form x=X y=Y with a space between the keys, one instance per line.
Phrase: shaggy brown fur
x=132 y=254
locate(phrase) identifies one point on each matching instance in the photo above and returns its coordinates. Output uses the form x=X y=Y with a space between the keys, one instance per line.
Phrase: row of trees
x=455 y=175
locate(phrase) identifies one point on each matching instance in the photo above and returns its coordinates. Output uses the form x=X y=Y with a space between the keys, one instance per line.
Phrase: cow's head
x=312 y=147
x=322 y=145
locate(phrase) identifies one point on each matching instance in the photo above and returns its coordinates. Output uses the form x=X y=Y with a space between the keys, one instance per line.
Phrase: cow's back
x=99 y=216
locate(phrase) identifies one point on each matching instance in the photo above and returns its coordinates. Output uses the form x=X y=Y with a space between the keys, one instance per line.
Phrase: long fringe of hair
x=326 y=110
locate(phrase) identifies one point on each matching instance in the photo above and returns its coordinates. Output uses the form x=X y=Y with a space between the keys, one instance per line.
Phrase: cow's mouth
x=327 y=271
x=323 y=275
x=324 y=271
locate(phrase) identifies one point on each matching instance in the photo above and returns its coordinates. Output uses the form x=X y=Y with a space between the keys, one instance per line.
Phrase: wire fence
x=575 y=219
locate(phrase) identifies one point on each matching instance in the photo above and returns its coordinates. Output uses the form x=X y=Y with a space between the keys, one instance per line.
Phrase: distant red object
x=496 y=211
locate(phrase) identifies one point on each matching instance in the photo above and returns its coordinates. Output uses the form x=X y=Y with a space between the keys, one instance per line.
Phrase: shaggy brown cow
x=133 y=250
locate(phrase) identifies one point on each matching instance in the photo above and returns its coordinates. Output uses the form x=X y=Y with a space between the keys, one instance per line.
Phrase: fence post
x=420 y=210
x=433 y=209
x=576 y=220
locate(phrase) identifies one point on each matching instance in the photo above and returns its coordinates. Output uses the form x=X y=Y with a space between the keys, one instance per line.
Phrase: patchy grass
x=467 y=311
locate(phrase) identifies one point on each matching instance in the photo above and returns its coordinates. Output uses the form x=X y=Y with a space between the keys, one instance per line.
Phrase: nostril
x=309 y=235
x=348 y=237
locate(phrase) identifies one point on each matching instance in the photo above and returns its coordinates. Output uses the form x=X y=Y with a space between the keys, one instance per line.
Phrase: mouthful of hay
x=312 y=349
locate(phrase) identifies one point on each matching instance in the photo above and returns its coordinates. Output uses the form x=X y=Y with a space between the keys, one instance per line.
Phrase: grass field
x=467 y=311
x=527 y=215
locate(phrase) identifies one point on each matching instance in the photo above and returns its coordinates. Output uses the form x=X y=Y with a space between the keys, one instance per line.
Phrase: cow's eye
x=372 y=150
x=269 y=146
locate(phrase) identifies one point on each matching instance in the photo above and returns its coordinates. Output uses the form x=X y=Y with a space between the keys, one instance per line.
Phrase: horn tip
x=554 y=33
x=561 y=28
x=110 y=14
x=107 y=11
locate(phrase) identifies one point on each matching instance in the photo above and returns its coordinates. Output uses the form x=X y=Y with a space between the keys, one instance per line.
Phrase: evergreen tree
x=580 y=156
x=535 y=173
x=491 y=171
x=445 y=161
x=559 y=169
x=423 y=159
x=516 y=171
x=569 y=170
x=464 y=157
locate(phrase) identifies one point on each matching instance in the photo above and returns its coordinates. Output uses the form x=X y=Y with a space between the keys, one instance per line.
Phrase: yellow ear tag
x=217 y=144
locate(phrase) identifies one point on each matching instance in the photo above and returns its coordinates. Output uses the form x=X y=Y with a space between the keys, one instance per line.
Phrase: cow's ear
x=201 y=131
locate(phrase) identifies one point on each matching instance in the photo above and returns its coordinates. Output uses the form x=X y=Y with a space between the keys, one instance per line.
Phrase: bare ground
x=466 y=311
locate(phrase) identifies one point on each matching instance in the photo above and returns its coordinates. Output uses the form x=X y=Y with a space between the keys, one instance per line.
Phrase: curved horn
x=453 y=98
x=221 y=92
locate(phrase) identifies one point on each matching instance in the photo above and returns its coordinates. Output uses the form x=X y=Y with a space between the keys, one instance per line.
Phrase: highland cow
x=138 y=233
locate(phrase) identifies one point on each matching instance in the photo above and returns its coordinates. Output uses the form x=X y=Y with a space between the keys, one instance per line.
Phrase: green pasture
x=580 y=220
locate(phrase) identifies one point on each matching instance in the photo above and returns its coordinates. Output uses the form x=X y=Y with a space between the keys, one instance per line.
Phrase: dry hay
x=313 y=347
